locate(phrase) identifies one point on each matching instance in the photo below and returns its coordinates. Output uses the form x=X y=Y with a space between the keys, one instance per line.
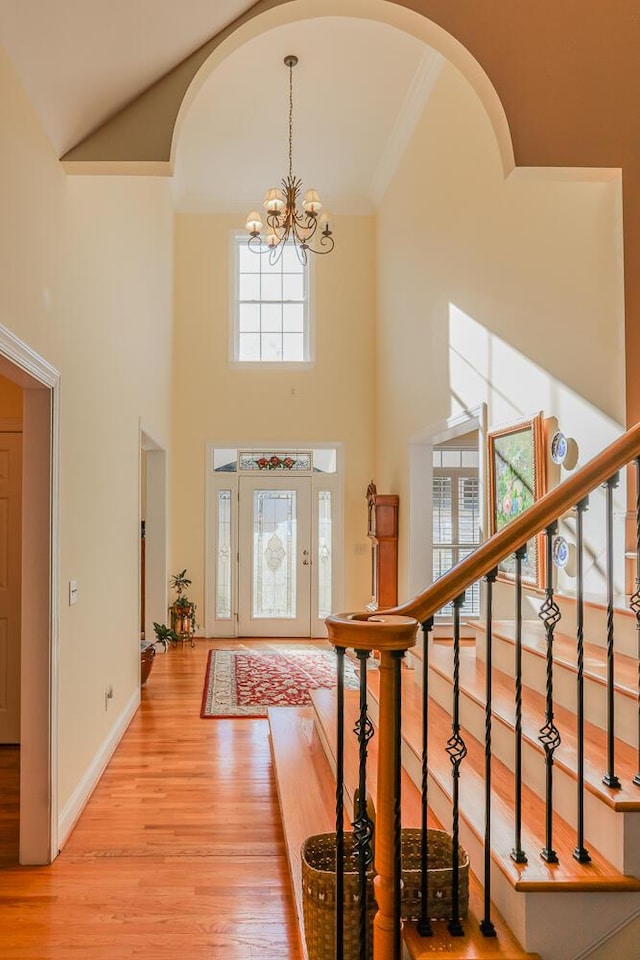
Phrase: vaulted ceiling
x=358 y=90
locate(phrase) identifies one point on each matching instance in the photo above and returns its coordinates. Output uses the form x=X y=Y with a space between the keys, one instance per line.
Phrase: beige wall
x=87 y=284
x=507 y=293
x=332 y=401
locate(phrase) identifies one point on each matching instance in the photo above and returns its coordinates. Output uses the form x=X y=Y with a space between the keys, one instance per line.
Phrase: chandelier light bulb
x=311 y=203
x=254 y=223
x=287 y=222
x=325 y=223
x=273 y=201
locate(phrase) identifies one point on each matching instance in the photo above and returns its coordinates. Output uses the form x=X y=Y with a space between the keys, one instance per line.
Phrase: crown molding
x=420 y=89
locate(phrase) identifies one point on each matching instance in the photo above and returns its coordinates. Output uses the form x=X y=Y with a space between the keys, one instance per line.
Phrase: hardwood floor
x=179 y=852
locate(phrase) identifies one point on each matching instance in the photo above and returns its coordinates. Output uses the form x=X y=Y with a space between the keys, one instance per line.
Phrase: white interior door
x=10 y=584
x=275 y=557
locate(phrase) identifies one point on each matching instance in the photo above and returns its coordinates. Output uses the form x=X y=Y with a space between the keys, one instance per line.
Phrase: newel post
x=392 y=636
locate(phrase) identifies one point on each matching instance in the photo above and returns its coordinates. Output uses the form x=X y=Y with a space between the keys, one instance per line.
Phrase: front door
x=275 y=550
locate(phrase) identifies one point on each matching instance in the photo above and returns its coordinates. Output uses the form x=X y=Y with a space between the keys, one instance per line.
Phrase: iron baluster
x=518 y=853
x=396 y=659
x=424 y=924
x=549 y=734
x=610 y=778
x=340 y=651
x=634 y=603
x=580 y=853
x=486 y=926
x=362 y=824
x=457 y=751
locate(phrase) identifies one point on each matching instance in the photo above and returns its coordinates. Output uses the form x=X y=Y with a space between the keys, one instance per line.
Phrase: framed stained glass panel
x=516 y=481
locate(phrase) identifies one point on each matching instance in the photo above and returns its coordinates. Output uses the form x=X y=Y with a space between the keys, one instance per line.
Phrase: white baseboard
x=74 y=807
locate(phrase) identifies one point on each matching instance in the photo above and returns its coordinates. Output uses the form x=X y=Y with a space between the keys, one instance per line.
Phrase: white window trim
x=279 y=365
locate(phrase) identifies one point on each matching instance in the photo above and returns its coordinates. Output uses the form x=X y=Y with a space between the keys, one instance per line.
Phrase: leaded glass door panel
x=275 y=559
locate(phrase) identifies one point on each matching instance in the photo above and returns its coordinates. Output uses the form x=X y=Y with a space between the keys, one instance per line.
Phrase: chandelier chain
x=290 y=120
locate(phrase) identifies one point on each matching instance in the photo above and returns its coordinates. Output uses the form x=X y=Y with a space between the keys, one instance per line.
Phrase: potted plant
x=183 y=610
x=148 y=648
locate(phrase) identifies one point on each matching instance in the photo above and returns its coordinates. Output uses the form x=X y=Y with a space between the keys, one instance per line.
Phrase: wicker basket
x=319 y=897
x=439 y=847
x=319 y=888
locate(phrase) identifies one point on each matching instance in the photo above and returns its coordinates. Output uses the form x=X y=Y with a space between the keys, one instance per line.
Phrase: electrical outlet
x=73 y=592
x=108 y=695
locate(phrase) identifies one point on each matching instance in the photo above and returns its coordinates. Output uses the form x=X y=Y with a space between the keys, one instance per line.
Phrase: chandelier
x=308 y=231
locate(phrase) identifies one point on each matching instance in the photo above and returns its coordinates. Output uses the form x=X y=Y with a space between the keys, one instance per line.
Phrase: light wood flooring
x=179 y=852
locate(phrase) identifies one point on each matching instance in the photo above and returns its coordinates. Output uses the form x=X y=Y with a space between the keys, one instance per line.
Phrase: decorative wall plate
x=559 y=447
x=560 y=552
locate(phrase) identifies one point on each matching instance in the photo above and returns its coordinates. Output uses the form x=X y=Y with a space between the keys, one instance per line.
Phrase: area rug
x=244 y=683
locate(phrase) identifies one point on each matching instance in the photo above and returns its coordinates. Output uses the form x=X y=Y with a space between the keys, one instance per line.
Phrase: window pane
x=292 y=346
x=324 y=461
x=271 y=317
x=249 y=286
x=293 y=317
x=292 y=287
x=248 y=346
x=450 y=458
x=248 y=261
x=470 y=458
x=223 y=558
x=290 y=262
x=272 y=287
x=225 y=459
x=274 y=553
x=324 y=553
x=269 y=268
x=468 y=510
x=249 y=317
x=442 y=516
x=271 y=346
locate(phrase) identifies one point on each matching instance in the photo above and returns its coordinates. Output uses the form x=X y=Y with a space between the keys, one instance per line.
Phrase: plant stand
x=182 y=623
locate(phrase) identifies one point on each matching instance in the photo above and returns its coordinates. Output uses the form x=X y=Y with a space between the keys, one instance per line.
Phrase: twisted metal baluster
x=580 y=853
x=424 y=924
x=457 y=750
x=363 y=825
x=486 y=926
x=396 y=659
x=340 y=651
x=610 y=778
x=549 y=734
x=518 y=853
x=634 y=603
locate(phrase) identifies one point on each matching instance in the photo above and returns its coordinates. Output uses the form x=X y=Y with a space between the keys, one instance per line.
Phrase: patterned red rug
x=244 y=683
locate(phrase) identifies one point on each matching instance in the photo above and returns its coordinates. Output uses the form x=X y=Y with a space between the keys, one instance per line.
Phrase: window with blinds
x=456 y=517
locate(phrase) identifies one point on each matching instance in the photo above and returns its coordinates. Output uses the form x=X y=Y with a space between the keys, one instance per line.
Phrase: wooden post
x=390 y=635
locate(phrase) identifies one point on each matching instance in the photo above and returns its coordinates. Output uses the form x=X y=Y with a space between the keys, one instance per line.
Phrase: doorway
x=39 y=574
x=274 y=545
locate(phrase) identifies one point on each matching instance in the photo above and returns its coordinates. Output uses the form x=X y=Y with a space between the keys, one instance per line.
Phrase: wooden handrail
x=489 y=554
x=547 y=509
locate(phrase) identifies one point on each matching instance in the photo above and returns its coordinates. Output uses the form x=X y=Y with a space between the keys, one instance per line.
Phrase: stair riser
x=564 y=690
x=551 y=924
x=595 y=623
x=604 y=828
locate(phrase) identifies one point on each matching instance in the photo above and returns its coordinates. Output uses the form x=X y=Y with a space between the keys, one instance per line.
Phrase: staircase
x=528 y=756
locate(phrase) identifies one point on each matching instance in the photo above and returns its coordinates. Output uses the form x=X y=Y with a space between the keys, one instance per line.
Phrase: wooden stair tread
x=325 y=703
x=536 y=875
x=472 y=681
x=564 y=654
x=473 y=946
x=306 y=788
